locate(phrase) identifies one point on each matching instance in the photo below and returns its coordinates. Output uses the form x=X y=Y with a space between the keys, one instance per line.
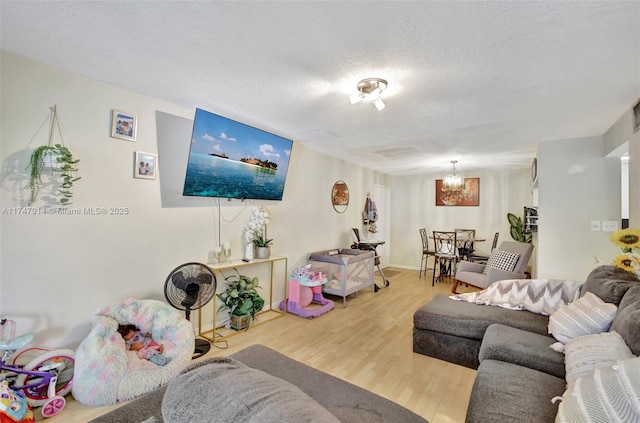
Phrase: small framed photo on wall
x=124 y=125
x=145 y=165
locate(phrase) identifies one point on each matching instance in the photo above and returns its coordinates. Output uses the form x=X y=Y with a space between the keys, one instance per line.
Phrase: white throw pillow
x=503 y=260
x=585 y=354
x=585 y=316
x=610 y=394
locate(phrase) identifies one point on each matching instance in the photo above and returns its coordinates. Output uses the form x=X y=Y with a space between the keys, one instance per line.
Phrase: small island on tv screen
x=232 y=160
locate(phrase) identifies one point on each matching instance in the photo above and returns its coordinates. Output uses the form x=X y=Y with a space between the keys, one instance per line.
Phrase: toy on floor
x=305 y=287
x=13 y=407
x=42 y=382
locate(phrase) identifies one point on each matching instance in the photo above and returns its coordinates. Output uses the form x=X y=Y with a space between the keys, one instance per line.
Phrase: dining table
x=463 y=251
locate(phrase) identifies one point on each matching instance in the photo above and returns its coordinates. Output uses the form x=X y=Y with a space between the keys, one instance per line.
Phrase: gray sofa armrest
x=494 y=275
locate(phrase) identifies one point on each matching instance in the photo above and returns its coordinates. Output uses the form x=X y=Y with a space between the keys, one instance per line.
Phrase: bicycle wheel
x=38 y=395
x=53 y=406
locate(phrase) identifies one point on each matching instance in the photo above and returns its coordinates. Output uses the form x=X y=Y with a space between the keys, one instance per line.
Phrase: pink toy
x=303 y=292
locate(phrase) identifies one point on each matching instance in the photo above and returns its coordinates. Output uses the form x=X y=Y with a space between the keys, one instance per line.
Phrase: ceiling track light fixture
x=453 y=182
x=370 y=89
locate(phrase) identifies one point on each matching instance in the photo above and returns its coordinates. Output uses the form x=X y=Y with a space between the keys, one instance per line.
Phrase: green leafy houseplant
x=262 y=241
x=517 y=229
x=64 y=169
x=240 y=296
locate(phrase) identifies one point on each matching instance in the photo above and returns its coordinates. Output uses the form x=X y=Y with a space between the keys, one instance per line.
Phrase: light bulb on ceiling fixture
x=453 y=182
x=378 y=103
x=370 y=89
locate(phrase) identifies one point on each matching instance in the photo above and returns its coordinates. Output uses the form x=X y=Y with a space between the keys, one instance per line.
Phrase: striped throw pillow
x=585 y=316
x=610 y=394
x=585 y=354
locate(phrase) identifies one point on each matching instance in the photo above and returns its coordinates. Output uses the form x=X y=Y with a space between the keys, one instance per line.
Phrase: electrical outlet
x=609 y=225
x=595 y=225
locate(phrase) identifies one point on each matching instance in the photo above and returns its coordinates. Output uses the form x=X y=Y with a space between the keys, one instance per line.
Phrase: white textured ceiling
x=480 y=82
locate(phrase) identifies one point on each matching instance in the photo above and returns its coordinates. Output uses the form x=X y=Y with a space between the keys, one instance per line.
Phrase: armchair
x=474 y=274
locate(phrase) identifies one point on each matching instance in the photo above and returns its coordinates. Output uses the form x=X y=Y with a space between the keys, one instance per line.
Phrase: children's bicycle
x=45 y=379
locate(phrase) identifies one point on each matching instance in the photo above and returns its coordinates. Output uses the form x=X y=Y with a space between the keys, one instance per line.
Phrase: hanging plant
x=59 y=159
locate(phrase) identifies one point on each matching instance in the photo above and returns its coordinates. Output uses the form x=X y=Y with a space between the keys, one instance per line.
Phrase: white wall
x=413 y=207
x=76 y=264
x=622 y=132
x=577 y=184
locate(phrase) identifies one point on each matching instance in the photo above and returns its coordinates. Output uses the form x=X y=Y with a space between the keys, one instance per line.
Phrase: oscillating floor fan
x=188 y=287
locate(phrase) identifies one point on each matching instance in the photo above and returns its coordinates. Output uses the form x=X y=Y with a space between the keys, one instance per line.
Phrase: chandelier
x=370 y=89
x=453 y=183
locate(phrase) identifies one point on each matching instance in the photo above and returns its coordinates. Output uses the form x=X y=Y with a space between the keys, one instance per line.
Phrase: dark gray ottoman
x=453 y=330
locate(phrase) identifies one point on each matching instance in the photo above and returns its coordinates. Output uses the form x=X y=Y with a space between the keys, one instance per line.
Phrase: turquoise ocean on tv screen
x=210 y=176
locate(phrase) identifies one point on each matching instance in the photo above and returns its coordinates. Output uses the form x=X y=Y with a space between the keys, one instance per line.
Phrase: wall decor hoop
x=340 y=196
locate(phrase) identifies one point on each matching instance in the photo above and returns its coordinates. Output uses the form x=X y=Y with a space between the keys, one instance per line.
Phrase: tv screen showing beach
x=232 y=160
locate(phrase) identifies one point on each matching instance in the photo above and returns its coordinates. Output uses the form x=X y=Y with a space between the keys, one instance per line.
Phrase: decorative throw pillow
x=503 y=260
x=585 y=354
x=610 y=394
x=227 y=390
x=585 y=316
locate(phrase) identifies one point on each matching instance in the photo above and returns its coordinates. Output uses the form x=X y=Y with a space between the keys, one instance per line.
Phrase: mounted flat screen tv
x=229 y=159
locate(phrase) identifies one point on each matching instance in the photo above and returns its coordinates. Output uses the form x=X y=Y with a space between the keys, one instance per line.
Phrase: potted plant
x=241 y=299
x=256 y=234
x=60 y=160
x=517 y=229
x=262 y=244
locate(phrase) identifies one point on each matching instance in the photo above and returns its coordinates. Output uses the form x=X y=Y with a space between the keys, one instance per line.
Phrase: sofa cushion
x=238 y=393
x=585 y=316
x=609 y=283
x=503 y=260
x=627 y=320
x=523 y=348
x=469 y=320
x=505 y=392
x=610 y=394
x=583 y=355
x=346 y=401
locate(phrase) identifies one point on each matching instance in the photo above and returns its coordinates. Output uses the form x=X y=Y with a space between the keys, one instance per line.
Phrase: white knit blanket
x=540 y=296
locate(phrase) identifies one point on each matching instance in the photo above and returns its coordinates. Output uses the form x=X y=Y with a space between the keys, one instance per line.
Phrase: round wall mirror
x=340 y=196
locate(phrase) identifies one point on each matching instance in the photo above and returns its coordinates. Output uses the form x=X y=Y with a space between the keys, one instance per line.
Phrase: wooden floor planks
x=368 y=343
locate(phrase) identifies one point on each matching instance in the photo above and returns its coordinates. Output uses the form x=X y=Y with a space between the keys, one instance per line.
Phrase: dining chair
x=465 y=240
x=446 y=254
x=426 y=252
x=479 y=258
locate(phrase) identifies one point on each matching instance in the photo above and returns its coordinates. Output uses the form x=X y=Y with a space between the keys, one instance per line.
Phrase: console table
x=218 y=268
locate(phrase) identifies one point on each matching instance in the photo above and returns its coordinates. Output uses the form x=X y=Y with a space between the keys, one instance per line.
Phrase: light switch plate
x=595 y=225
x=609 y=225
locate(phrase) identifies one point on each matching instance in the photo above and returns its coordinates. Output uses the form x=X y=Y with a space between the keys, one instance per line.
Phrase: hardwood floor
x=368 y=343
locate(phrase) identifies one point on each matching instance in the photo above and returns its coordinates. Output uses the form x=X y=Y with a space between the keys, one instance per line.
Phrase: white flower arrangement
x=257 y=227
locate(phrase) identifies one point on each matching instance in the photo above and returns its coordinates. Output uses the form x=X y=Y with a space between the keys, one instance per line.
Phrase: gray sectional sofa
x=205 y=399
x=518 y=372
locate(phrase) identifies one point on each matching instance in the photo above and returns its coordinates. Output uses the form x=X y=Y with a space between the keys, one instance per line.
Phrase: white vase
x=248 y=251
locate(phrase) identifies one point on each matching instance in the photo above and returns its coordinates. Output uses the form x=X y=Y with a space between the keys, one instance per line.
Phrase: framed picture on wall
x=636 y=117
x=145 y=165
x=124 y=125
x=469 y=197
